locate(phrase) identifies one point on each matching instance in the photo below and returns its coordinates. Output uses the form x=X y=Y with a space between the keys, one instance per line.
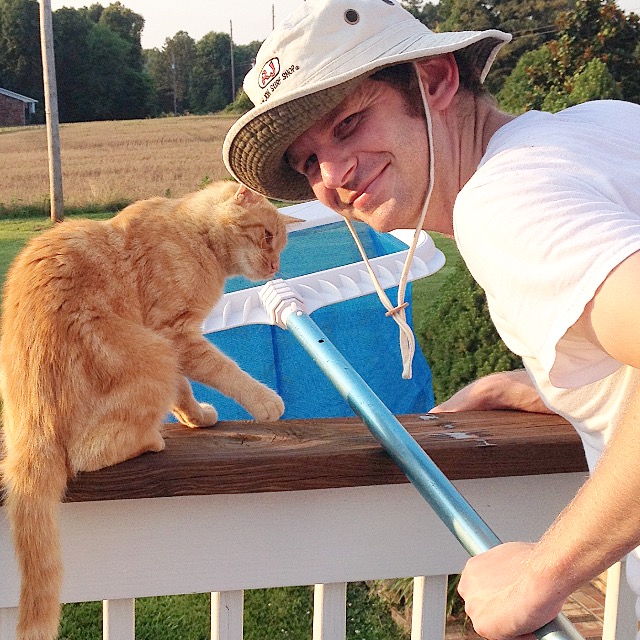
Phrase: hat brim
x=255 y=146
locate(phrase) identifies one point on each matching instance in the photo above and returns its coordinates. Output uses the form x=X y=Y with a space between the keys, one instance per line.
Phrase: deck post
x=330 y=611
x=227 y=609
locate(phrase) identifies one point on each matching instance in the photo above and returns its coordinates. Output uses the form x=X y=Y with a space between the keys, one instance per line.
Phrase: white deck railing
x=122 y=549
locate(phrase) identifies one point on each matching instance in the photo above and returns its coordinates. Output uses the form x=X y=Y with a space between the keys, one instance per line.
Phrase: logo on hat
x=269 y=71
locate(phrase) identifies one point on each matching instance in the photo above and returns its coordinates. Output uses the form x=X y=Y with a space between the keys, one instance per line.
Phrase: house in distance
x=16 y=110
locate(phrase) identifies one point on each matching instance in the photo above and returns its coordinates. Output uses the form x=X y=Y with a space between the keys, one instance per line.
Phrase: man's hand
x=505 y=390
x=504 y=597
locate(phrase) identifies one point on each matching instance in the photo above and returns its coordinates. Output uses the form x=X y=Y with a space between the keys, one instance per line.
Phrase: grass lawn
x=15 y=232
x=269 y=613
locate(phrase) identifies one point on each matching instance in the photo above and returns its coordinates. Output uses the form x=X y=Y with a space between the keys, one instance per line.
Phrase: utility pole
x=273 y=17
x=175 y=83
x=51 y=111
x=233 y=73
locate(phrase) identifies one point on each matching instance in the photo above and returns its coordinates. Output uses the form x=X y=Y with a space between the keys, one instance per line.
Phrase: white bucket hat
x=311 y=62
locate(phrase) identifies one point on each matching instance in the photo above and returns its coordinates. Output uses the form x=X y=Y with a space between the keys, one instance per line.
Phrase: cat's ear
x=289 y=219
x=245 y=195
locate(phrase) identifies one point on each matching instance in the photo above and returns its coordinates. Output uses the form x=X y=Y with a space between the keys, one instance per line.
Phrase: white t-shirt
x=553 y=207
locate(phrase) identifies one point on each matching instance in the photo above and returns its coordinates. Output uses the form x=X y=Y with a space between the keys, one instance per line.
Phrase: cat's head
x=255 y=234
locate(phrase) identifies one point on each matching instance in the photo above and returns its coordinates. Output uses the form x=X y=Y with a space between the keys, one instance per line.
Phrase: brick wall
x=11 y=112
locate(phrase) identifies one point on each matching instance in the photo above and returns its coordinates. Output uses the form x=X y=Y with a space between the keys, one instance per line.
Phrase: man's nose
x=337 y=172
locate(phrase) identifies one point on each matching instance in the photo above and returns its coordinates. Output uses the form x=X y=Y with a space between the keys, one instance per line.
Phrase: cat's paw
x=268 y=407
x=207 y=416
x=155 y=442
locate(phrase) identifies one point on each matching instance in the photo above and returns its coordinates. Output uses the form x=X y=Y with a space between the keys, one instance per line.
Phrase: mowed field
x=113 y=162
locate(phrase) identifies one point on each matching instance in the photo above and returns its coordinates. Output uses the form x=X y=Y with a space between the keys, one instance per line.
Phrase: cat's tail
x=34 y=486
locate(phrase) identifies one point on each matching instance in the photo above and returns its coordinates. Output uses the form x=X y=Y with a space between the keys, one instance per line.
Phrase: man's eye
x=347 y=125
x=310 y=164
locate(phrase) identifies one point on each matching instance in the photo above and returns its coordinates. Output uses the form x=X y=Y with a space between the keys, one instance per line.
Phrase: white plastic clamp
x=279 y=300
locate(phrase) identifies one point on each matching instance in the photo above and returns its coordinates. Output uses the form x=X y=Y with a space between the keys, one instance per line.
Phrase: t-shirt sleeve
x=540 y=236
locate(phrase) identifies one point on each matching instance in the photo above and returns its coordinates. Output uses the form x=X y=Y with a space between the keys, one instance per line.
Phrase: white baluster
x=428 y=620
x=119 y=619
x=619 y=606
x=8 y=623
x=227 y=608
x=330 y=611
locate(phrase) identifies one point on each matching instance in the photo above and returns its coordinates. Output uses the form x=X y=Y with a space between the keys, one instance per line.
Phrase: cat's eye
x=268 y=237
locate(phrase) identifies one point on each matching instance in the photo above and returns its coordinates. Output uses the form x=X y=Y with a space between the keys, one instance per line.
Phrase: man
x=546 y=213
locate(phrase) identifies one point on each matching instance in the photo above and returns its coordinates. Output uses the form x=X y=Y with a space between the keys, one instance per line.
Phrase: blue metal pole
x=454 y=511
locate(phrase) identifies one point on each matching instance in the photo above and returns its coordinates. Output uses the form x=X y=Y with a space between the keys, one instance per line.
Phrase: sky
x=250 y=19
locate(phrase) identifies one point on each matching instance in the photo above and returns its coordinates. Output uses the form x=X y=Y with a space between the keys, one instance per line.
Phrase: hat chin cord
x=397 y=312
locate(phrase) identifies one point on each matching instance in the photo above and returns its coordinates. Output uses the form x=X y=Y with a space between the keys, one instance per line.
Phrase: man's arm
x=515 y=588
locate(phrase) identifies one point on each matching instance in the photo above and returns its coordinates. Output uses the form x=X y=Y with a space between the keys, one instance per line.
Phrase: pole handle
x=450 y=506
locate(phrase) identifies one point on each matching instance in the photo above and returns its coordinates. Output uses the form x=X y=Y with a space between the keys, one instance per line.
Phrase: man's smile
x=369 y=191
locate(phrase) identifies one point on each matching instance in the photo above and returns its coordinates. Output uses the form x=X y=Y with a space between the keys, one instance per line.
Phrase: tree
x=93 y=12
x=128 y=25
x=171 y=69
x=118 y=90
x=598 y=29
x=595 y=30
x=593 y=83
x=20 y=59
x=211 y=80
x=526 y=87
x=71 y=30
x=96 y=80
x=460 y=15
x=426 y=12
x=532 y=23
x=244 y=56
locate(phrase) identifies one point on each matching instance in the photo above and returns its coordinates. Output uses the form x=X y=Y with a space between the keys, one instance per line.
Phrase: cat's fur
x=101 y=324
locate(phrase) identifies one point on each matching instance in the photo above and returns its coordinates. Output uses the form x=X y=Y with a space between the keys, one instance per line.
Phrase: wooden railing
x=302 y=502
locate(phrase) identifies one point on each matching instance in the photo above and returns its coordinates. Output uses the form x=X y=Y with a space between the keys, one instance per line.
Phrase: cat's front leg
x=264 y=404
x=189 y=411
x=201 y=361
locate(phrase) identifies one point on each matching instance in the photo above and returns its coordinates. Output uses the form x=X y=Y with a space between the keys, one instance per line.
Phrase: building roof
x=17 y=96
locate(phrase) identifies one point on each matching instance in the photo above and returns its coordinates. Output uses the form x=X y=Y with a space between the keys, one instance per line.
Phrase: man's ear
x=439 y=75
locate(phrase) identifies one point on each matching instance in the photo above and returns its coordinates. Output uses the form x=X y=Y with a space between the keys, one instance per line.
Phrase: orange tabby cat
x=101 y=324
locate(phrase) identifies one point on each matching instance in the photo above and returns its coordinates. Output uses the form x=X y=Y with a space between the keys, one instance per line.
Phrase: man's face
x=367 y=159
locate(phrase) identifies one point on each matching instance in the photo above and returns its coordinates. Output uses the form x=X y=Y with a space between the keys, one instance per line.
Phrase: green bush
x=241 y=105
x=458 y=338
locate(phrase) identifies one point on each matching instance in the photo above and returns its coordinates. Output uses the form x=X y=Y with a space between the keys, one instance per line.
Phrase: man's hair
x=403 y=78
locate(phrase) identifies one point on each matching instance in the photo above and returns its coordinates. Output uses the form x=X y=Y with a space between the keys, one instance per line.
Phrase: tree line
x=102 y=71
x=563 y=52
